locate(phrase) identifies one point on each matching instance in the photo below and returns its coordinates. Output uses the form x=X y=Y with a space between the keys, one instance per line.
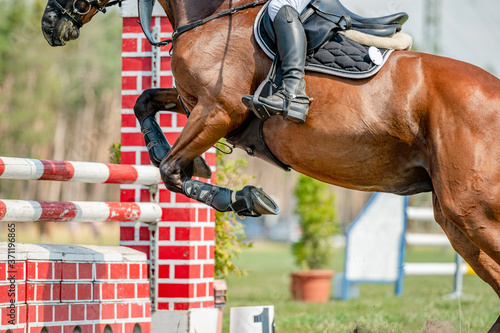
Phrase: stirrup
x=256 y=107
x=296 y=116
x=293 y=112
x=295 y=108
x=252 y=101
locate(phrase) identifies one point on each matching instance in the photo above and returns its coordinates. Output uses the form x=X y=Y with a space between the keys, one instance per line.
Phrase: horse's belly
x=357 y=163
x=373 y=179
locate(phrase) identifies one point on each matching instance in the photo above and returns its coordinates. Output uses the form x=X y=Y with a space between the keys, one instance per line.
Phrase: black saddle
x=322 y=19
x=379 y=26
x=328 y=53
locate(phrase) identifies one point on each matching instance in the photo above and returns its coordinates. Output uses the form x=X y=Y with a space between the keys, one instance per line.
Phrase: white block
x=252 y=319
x=188 y=321
x=22 y=168
x=84 y=253
x=89 y=172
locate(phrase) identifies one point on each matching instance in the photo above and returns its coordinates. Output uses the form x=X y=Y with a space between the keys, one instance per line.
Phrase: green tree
x=57 y=103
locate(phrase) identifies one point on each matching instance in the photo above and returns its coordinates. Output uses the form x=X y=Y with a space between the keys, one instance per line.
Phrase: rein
x=92 y=3
x=146 y=26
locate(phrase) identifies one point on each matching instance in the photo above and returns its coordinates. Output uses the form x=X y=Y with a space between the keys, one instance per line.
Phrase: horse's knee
x=143 y=106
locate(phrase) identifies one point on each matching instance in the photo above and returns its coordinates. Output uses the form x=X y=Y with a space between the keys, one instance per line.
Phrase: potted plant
x=314 y=250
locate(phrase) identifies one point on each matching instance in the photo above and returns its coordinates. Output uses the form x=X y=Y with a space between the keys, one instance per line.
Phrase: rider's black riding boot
x=291 y=98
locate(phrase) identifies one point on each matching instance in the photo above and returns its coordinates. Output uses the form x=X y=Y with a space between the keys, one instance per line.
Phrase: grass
x=377 y=310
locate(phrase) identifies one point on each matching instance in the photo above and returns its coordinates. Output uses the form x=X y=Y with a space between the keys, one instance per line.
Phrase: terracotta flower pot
x=313 y=286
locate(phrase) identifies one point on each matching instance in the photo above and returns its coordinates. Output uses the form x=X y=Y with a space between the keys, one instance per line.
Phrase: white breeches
x=275 y=5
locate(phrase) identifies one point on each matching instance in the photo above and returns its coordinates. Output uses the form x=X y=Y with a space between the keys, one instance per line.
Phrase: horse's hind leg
x=147 y=105
x=484 y=266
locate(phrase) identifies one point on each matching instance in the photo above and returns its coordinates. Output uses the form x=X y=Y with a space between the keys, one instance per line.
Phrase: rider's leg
x=275 y=6
x=291 y=98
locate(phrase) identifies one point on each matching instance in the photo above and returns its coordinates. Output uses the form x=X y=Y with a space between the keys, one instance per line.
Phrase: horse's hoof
x=254 y=202
x=263 y=203
x=198 y=168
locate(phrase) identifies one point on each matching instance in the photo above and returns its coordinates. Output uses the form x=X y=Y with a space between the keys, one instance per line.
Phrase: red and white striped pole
x=183 y=262
x=78 y=211
x=85 y=172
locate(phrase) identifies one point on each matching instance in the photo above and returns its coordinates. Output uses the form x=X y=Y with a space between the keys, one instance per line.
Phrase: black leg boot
x=291 y=98
x=158 y=147
x=250 y=201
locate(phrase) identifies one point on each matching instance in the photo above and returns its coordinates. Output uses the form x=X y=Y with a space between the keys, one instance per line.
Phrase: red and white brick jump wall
x=60 y=287
x=184 y=239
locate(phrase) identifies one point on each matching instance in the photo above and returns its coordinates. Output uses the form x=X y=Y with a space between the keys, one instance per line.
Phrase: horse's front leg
x=202 y=130
x=146 y=107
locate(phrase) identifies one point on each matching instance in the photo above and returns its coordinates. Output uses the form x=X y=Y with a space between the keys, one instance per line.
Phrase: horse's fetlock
x=171 y=176
x=172 y=183
x=171 y=187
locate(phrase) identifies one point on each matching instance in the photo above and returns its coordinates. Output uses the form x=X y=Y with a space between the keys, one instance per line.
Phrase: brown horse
x=423 y=123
